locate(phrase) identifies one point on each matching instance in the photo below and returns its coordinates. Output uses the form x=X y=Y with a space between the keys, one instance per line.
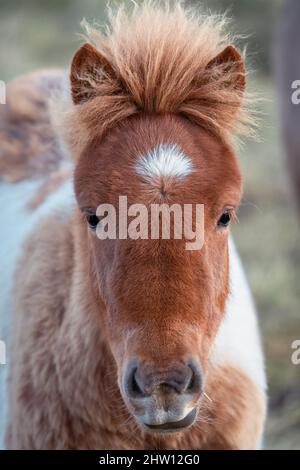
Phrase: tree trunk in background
x=287 y=70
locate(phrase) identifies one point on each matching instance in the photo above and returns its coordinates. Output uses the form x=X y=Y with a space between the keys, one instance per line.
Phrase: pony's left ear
x=87 y=66
x=231 y=64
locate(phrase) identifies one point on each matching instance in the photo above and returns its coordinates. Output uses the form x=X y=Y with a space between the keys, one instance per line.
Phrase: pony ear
x=87 y=66
x=231 y=64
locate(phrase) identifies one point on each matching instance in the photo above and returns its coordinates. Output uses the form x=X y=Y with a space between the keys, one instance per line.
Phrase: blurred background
x=38 y=34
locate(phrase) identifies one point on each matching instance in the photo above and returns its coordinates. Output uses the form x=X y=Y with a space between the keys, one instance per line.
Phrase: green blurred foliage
x=35 y=33
x=268 y=238
x=254 y=20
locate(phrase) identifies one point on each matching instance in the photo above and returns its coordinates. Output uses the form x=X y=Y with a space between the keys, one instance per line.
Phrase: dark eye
x=92 y=220
x=224 y=219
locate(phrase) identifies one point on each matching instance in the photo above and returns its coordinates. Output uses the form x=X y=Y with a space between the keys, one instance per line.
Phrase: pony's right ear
x=88 y=65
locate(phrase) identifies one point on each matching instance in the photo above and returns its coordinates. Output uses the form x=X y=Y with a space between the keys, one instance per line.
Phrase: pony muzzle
x=163 y=399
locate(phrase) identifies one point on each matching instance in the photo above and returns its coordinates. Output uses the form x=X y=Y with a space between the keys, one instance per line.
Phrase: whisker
x=208 y=397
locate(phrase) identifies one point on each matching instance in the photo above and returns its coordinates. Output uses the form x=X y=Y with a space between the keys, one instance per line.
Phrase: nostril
x=133 y=388
x=195 y=382
x=135 y=385
x=191 y=384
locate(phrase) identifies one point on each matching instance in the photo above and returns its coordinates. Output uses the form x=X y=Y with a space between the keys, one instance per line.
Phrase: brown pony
x=128 y=343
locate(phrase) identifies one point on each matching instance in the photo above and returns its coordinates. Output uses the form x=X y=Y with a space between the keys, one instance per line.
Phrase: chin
x=171 y=427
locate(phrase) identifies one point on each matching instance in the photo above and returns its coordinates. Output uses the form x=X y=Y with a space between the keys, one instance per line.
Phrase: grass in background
x=268 y=237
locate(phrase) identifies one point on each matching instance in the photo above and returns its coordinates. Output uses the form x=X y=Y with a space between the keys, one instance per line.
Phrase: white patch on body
x=164 y=161
x=17 y=222
x=238 y=341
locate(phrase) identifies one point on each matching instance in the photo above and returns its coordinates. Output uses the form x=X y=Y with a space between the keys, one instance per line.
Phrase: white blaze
x=164 y=160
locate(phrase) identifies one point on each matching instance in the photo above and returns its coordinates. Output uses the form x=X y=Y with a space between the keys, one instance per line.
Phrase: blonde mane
x=159 y=53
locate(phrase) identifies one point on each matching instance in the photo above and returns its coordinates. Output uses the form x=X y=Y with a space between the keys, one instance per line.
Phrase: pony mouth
x=173 y=426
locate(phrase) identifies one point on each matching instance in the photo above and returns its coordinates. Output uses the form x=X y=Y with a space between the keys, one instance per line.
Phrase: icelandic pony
x=122 y=343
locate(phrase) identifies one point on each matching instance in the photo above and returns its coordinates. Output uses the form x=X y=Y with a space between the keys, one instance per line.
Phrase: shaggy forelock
x=159 y=53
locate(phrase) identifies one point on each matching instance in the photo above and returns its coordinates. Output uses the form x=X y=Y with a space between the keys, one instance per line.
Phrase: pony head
x=155 y=101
